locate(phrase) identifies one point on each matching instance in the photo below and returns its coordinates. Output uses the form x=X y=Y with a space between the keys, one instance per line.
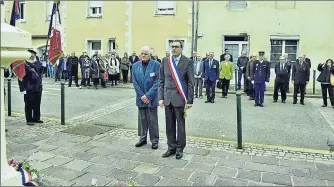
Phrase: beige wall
x=152 y=30
x=312 y=21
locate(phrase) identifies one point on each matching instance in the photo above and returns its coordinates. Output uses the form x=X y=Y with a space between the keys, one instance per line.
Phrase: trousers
x=149 y=123
x=32 y=106
x=175 y=119
x=210 y=89
x=330 y=89
x=301 y=88
x=198 y=86
x=259 y=92
x=282 y=87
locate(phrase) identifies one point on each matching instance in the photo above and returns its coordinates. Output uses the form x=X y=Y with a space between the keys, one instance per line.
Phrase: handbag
x=219 y=84
x=331 y=79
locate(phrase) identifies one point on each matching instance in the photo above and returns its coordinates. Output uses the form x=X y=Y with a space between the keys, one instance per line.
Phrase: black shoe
x=302 y=103
x=154 y=146
x=212 y=101
x=30 y=123
x=261 y=105
x=275 y=101
x=179 y=155
x=69 y=85
x=169 y=153
x=256 y=105
x=222 y=96
x=295 y=102
x=196 y=96
x=283 y=101
x=324 y=106
x=141 y=143
x=39 y=121
x=207 y=101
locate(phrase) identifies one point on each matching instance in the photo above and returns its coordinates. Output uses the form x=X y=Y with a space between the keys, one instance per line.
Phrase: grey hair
x=146 y=48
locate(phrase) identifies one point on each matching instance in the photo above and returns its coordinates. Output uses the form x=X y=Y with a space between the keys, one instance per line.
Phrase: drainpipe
x=192 y=26
x=196 y=23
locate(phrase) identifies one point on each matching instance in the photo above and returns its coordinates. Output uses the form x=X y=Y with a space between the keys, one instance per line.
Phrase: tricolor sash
x=177 y=78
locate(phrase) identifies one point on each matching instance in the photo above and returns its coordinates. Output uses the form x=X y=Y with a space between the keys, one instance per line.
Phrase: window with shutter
x=237 y=5
x=165 y=7
x=283 y=45
x=95 y=8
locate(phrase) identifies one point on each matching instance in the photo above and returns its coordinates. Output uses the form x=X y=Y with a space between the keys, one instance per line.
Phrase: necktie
x=210 y=63
x=282 y=68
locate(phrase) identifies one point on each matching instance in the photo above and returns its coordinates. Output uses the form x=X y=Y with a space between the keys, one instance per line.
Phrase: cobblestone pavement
x=73 y=154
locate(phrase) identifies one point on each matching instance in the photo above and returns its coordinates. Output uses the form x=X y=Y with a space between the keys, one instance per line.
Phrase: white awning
x=277 y=37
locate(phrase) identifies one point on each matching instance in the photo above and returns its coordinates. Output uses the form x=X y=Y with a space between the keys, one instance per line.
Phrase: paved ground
x=75 y=153
x=277 y=124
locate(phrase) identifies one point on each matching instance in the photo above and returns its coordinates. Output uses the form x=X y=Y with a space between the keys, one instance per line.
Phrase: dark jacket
x=300 y=73
x=222 y=57
x=133 y=59
x=73 y=63
x=242 y=62
x=325 y=72
x=32 y=81
x=261 y=71
x=282 y=75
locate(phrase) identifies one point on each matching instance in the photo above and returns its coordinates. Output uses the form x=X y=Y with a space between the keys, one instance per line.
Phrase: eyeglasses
x=174 y=46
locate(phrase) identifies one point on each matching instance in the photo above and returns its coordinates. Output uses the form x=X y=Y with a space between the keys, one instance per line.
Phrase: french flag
x=54 y=34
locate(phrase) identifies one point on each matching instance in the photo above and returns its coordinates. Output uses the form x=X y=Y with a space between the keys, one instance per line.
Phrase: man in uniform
x=170 y=97
x=73 y=66
x=282 y=70
x=211 y=75
x=300 y=78
x=261 y=76
x=31 y=88
x=145 y=77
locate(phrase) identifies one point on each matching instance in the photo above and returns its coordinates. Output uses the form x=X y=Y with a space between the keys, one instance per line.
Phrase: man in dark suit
x=133 y=59
x=222 y=57
x=261 y=76
x=73 y=66
x=211 y=75
x=282 y=71
x=300 y=78
x=171 y=99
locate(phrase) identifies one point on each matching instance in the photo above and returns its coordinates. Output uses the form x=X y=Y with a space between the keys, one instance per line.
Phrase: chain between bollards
x=9 y=97
x=314 y=81
x=62 y=107
x=239 y=121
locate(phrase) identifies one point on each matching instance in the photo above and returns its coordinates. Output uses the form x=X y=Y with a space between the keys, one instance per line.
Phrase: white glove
x=266 y=83
x=252 y=82
x=24 y=92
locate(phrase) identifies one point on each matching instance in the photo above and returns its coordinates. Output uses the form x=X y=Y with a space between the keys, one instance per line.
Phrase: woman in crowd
x=113 y=69
x=225 y=75
x=125 y=66
x=86 y=64
x=326 y=71
x=95 y=70
x=102 y=61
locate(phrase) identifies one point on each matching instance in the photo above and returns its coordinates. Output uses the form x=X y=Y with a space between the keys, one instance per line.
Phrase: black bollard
x=314 y=81
x=9 y=98
x=239 y=121
x=139 y=124
x=62 y=107
x=235 y=79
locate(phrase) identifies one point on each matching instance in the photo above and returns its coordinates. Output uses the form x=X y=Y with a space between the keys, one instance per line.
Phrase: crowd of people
x=255 y=71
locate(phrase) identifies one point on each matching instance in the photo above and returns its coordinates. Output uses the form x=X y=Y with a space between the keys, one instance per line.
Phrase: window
x=112 y=44
x=165 y=7
x=237 y=5
x=22 y=7
x=170 y=41
x=95 y=9
x=281 y=47
x=285 y=4
x=93 y=46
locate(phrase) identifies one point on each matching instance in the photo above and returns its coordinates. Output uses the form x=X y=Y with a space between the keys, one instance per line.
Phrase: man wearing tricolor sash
x=176 y=93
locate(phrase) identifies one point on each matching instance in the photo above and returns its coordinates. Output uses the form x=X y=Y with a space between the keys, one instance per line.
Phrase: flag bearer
x=31 y=88
x=261 y=75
